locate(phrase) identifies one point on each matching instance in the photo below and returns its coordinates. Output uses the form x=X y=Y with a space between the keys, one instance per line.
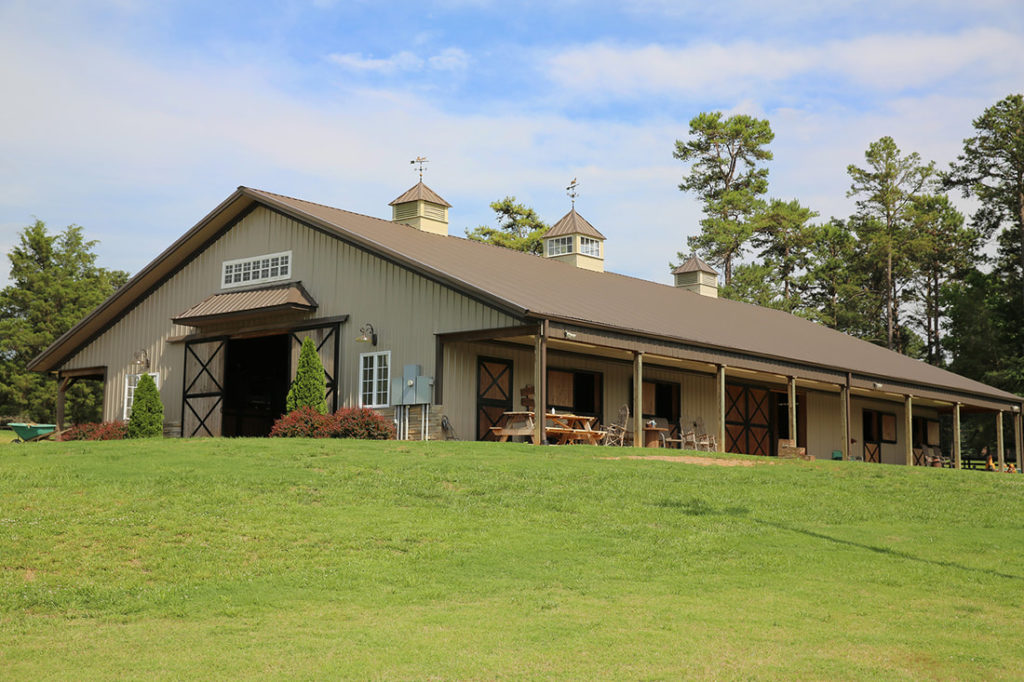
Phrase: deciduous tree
x=55 y=282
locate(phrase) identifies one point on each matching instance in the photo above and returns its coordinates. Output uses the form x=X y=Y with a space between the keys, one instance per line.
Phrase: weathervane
x=571 y=191
x=420 y=160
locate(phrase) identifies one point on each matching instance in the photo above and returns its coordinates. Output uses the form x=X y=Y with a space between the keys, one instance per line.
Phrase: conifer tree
x=309 y=387
x=147 y=418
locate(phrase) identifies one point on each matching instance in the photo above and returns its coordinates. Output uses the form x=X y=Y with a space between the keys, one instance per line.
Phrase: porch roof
x=287 y=297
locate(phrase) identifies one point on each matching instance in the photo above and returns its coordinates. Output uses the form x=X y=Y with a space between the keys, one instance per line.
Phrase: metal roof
x=531 y=286
x=573 y=223
x=282 y=297
x=694 y=264
x=420 y=192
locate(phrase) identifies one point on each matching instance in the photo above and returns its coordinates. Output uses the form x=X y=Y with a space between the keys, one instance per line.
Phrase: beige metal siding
x=824 y=424
x=406 y=309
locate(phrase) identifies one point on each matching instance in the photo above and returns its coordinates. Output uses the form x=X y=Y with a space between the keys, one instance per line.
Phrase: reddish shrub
x=304 y=422
x=361 y=422
x=97 y=431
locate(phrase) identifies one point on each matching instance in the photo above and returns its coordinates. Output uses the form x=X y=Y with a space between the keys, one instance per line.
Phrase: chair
x=617 y=430
x=705 y=441
x=933 y=457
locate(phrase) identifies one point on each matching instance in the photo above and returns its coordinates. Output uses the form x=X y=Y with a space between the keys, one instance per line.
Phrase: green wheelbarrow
x=29 y=432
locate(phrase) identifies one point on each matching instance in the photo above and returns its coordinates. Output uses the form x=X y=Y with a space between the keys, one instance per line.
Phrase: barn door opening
x=748 y=423
x=256 y=384
x=203 y=391
x=493 y=395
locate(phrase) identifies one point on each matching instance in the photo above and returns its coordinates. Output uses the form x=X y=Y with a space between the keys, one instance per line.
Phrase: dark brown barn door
x=872 y=436
x=326 y=340
x=493 y=395
x=203 y=393
x=748 y=425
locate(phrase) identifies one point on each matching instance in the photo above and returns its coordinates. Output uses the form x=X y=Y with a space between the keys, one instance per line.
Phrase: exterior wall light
x=367 y=334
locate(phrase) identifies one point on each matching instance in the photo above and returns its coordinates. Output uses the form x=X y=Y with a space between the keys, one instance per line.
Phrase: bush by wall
x=97 y=431
x=305 y=422
x=361 y=422
x=310 y=386
x=147 y=418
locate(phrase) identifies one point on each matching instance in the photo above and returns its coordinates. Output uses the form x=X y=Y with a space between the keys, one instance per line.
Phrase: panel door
x=494 y=394
x=203 y=393
x=326 y=340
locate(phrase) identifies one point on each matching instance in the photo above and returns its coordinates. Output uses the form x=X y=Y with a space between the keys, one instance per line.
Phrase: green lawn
x=314 y=559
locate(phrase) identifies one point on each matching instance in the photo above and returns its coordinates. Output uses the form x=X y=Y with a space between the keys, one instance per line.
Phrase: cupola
x=697 y=276
x=573 y=240
x=422 y=208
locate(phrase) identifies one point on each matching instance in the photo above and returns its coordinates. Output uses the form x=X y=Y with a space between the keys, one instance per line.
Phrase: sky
x=135 y=118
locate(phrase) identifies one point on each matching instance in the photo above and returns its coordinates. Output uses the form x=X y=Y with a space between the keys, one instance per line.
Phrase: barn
x=436 y=330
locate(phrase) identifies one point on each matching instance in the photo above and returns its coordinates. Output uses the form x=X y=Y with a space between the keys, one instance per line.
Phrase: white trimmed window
x=130 y=382
x=374 y=379
x=269 y=268
x=559 y=245
x=590 y=247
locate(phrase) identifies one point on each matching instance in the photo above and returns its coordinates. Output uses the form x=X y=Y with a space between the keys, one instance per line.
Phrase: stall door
x=203 y=393
x=493 y=396
x=748 y=420
x=326 y=340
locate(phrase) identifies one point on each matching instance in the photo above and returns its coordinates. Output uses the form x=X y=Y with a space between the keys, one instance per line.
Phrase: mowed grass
x=314 y=559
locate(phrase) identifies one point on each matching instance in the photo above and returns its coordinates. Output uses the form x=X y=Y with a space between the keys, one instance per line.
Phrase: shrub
x=309 y=387
x=147 y=418
x=97 y=431
x=361 y=422
x=305 y=422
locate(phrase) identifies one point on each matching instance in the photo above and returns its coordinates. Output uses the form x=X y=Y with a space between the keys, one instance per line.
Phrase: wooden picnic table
x=573 y=428
x=515 y=424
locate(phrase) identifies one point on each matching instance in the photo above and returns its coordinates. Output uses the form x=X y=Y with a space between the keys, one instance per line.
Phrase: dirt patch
x=704 y=461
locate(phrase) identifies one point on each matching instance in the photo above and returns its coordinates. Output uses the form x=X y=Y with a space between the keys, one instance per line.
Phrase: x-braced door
x=747 y=420
x=325 y=339
x=493 y=396
x=203 y=393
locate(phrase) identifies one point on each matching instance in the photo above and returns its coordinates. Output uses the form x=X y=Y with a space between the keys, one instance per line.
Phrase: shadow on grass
x=700 y=507
x=887 y=551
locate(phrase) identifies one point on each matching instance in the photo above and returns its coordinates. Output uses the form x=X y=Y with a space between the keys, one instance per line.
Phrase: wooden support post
x=638 y=400
x=1000 y=445
x=720 y=384
x=956 y=435
x=1018 y=436
x=792 y=410
x=540 y=382
x=62 y=387
x=908 y=429
x=844 y=416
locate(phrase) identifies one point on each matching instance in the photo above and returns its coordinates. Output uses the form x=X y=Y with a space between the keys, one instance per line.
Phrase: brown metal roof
x=420 y=192
x=694 y=264
x=573 y=223
x=523 y=285
x=283 y=297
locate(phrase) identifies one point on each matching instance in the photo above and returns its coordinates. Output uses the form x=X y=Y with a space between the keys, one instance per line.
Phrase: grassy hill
x=313 y=559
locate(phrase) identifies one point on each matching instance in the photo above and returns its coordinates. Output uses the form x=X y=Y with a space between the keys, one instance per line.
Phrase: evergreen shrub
x=147 y=418
x=309 y=387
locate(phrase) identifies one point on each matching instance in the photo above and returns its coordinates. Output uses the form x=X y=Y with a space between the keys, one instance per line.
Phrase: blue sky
x=134 y=119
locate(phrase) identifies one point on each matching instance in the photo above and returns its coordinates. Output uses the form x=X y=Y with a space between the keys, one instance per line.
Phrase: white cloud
x=449 y=59
x=400 y=61
x=888 y=63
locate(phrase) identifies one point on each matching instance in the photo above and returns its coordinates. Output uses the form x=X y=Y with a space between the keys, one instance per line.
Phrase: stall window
x=578 y=392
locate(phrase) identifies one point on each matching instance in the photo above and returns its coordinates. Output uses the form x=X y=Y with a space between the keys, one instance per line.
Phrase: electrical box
x=412 y=388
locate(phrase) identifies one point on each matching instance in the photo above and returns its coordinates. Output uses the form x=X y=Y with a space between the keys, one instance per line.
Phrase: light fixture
x=141 y=360
x=569 y=334
x=877 y=385
x=367 y=334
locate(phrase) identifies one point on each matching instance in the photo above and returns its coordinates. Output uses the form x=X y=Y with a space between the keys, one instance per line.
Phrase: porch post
x=956 y=435
x=62 y=386
x=1000 y=445
x=844 y=416
x=540 y=382
x=720 y=383
x=1018 y=435
x=638 y=399
x=792 y=410
x=908 y=428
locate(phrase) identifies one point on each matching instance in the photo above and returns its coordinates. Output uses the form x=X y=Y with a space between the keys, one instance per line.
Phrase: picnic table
x=560 y=428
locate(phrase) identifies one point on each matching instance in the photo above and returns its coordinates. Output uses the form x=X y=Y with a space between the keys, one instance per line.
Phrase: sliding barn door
x=326 y=341
x=748 y=425
x=493 y=395
x=203 y=394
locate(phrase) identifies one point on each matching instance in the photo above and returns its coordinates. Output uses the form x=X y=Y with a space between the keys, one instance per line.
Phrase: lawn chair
x=933 y=457
x=705 y=441
x=617 y=430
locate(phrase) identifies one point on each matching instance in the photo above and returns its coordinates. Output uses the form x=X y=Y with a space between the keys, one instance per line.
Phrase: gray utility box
x=412 y=388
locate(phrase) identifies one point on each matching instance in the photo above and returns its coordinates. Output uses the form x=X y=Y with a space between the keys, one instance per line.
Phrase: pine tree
x=309 y=387
x=147 y=418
